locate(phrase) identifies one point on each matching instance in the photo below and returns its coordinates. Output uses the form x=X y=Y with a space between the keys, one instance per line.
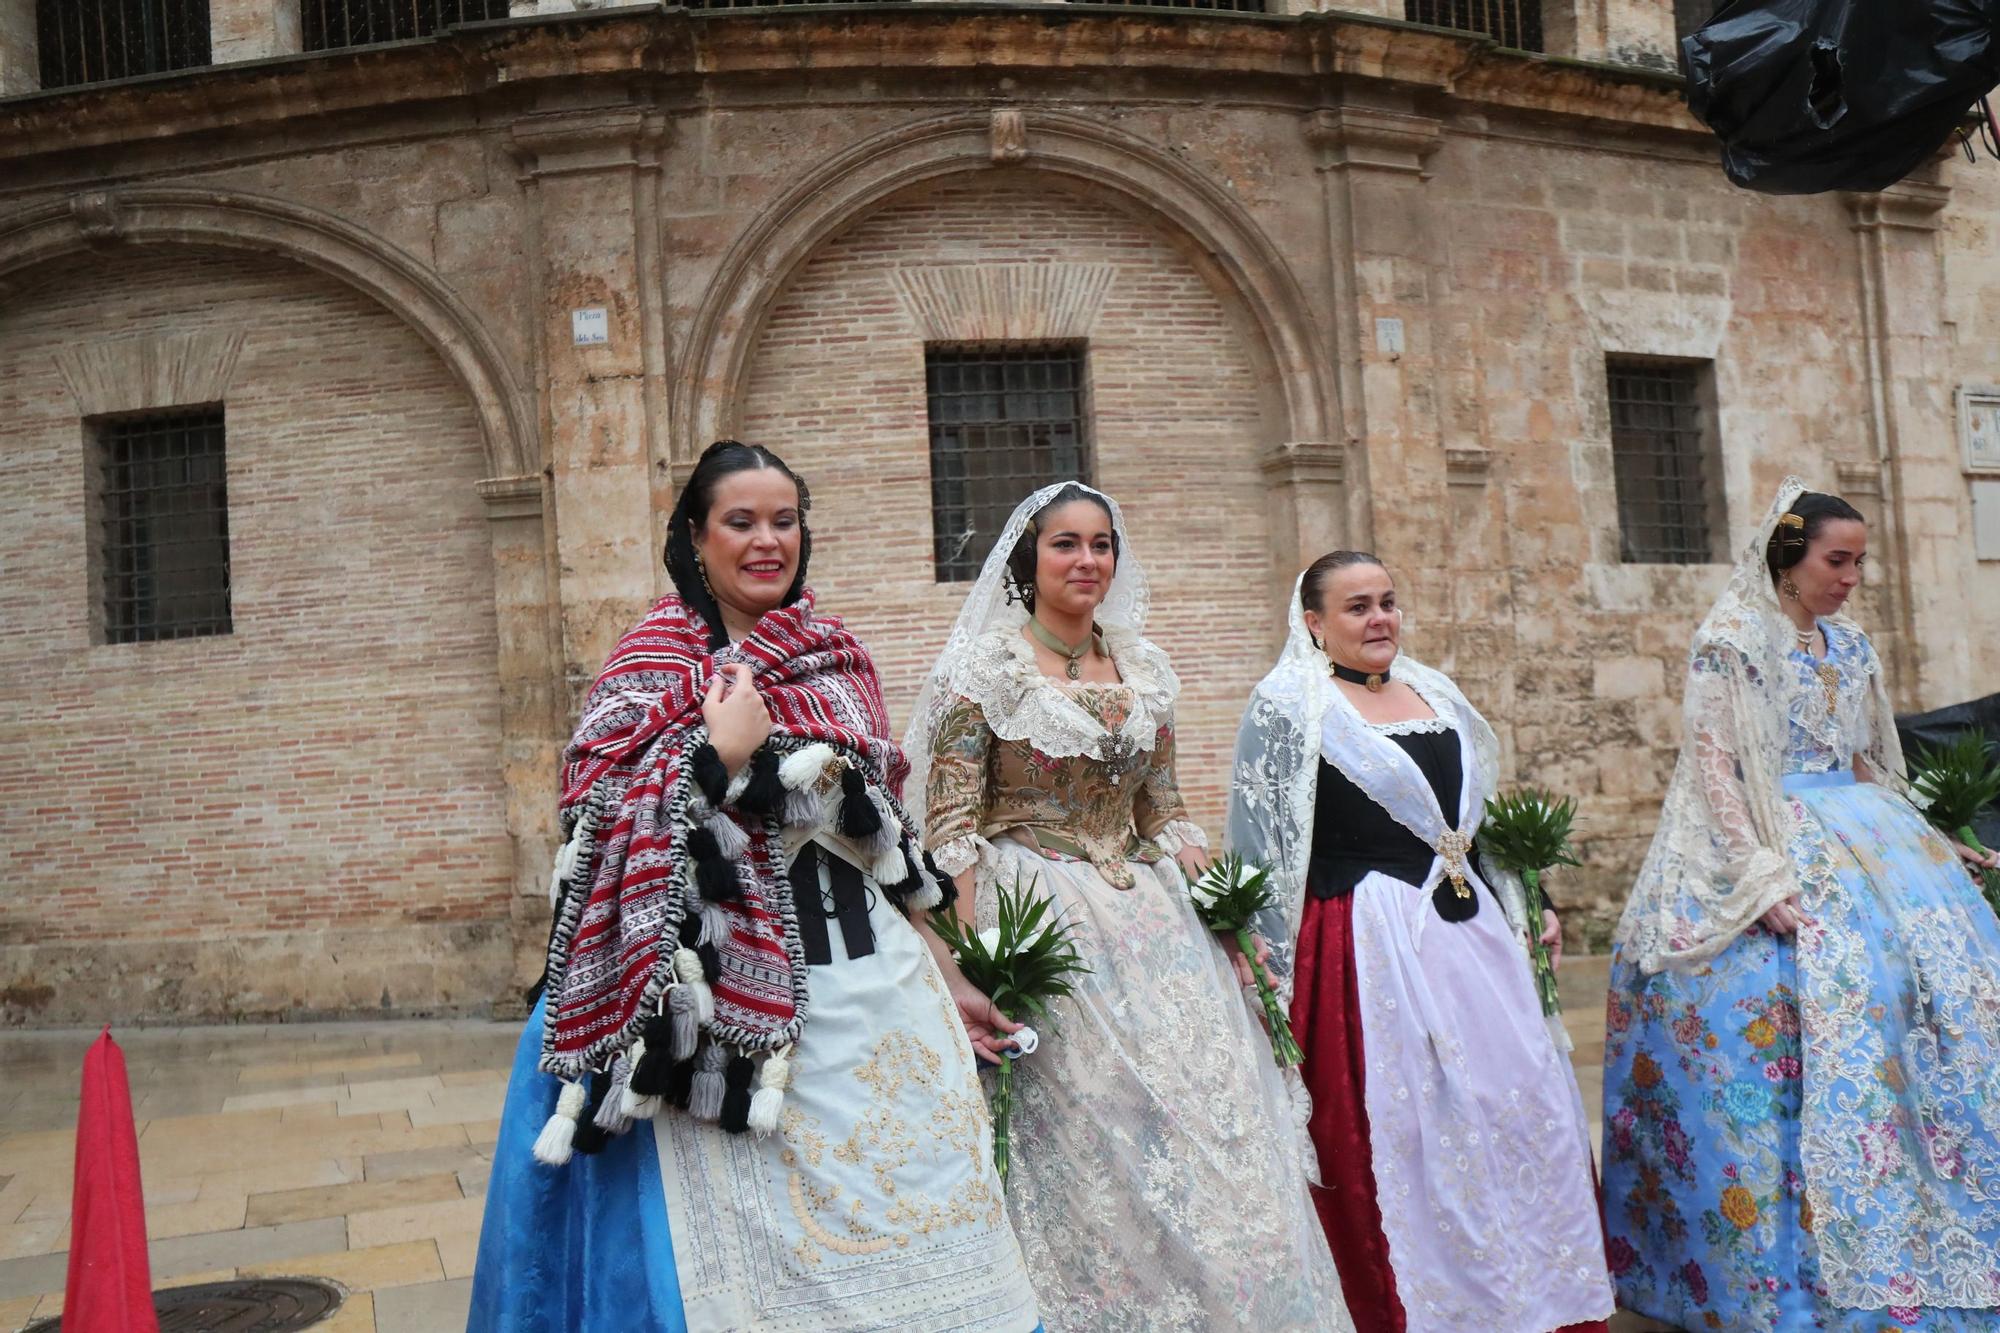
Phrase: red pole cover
x=110 y=1286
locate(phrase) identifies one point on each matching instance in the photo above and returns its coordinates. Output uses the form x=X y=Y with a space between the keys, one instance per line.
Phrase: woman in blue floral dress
x=1802 y=1069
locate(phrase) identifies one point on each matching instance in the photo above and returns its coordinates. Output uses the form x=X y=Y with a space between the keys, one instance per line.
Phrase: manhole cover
x=267 y=1305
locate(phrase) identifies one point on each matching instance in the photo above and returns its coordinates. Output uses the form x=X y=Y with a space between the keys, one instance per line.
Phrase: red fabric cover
x=110 y=1287
x=1326 y=1019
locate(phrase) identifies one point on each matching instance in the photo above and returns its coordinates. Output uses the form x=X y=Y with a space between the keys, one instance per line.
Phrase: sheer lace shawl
x=1296 y=715
x=1718 y=860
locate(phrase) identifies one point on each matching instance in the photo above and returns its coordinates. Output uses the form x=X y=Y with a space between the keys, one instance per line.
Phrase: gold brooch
x=1452 y=847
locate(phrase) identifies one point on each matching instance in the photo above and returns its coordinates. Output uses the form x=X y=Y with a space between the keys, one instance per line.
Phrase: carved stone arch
x=222 y=219
x=1144 y=178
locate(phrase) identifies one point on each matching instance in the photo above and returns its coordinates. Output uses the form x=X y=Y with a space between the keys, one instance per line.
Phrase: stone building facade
x=1336 y=279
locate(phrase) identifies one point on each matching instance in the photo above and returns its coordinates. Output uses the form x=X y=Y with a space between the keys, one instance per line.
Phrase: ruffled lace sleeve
x=956 y=792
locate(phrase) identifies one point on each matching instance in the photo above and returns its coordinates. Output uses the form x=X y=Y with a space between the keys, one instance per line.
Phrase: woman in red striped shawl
x=748 y=1098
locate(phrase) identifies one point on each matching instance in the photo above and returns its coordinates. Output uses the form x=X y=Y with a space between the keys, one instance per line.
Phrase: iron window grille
x=1004 y=421
x=90 y=41
x=163 y=525
x=1515 y=23
x=329 y=24
x=1661 y=462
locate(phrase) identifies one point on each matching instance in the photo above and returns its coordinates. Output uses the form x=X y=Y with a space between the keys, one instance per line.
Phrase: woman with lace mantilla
x=1157 y=1178
x=1802 y=1066
x=1455 y=1170
x=747 y=1100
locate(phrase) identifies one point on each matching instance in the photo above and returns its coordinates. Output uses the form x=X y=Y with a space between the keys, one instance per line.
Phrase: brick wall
x=304 y=815
x=837 y=388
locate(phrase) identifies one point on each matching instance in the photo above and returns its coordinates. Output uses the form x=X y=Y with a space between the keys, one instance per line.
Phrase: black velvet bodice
x=1352 y=835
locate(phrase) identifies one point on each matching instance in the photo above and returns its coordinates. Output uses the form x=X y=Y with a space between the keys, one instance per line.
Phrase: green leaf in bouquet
x=1031 y=960
x=1958 y=780
x=1232 y=891
x=1957 y=783
x=1529 y=829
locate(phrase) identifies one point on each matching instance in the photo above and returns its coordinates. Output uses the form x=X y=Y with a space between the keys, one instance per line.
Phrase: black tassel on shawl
x=590 y=1137
x=680 y=1084
x=947 y=886
x=859 y=819
x=736 y=1078
x=764 y=794
x=649 y=1076
x=713 y=875
x=709 y=774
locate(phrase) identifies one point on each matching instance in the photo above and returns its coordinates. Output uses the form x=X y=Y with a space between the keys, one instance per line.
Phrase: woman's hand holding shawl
x=738 y=722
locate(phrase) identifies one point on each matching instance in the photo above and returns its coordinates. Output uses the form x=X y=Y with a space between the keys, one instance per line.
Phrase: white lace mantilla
x=1021 y=702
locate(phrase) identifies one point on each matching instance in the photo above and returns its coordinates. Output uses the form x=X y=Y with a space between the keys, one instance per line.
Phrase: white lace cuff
x=1180 y=834
x=961 y=854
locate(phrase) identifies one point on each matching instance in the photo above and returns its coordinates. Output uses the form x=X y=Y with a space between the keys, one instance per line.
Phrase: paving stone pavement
x=356 y=1152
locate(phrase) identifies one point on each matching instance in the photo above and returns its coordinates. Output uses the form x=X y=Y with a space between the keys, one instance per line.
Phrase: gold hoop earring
x=1789 y=588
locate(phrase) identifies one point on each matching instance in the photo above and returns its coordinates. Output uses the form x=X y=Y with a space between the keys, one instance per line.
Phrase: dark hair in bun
x=1021 y=562
x=1796 y=528
x=1312 y=588
x=719 y=460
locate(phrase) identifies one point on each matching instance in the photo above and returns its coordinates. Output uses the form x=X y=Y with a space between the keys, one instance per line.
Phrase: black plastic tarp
x=1814 y=95
x=1941 y=726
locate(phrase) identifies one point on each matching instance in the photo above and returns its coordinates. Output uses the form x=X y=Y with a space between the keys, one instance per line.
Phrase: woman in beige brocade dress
x=1157 y=1179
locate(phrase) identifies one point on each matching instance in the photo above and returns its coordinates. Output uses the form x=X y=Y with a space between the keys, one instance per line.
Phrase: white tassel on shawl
x=631 y=1103
x=567 y=856
x=889 y=837
x=891 y=867
x=801 y=769
x=769 y=1098
x=554 y=1145
x=687 y=970
x=927 y=897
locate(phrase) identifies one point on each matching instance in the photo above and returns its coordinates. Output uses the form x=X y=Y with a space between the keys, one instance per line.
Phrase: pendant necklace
x=1073 y=668
x=1828 y=673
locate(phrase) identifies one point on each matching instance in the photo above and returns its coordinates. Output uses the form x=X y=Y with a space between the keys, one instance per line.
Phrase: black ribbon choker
x=1374 y=680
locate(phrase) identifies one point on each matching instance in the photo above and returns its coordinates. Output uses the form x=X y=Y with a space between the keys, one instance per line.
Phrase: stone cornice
x=1297 y=462
x=600 y=139
x=1915 y=204
x=685 y=58
x=1373 y=137
x=512 y=497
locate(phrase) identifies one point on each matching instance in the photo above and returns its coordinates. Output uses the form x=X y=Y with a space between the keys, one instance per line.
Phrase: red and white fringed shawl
x=633 y=923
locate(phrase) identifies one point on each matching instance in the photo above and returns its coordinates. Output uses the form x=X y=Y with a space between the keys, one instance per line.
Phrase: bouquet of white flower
x=1226 y=898
x=1021 y=964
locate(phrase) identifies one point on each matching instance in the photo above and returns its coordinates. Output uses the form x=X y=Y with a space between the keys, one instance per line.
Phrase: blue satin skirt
x=583 y=1248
